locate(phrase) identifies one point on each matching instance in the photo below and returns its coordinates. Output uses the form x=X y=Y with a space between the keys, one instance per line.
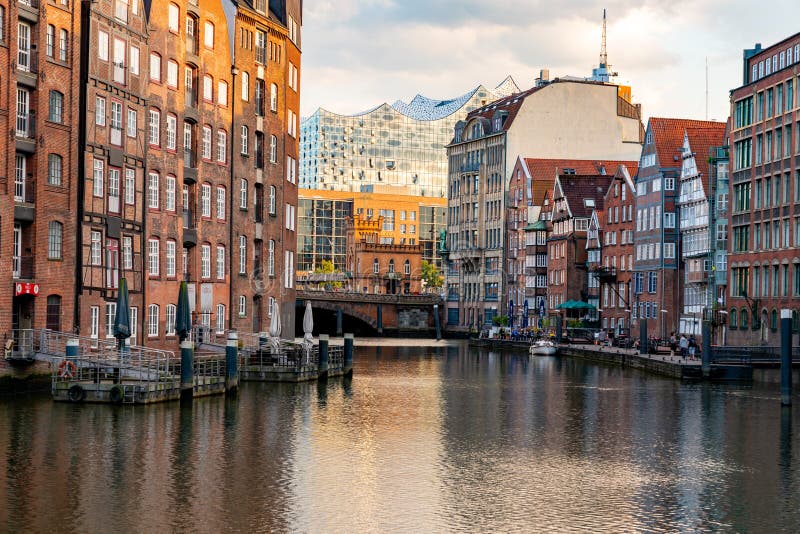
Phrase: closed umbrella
x=183 y=319
x=275 y=321
x=122 y=320
x=308 y=323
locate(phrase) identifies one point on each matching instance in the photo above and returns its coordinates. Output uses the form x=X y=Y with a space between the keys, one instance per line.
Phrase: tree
x=326 y=267
x=500 y=320
x=431 y=275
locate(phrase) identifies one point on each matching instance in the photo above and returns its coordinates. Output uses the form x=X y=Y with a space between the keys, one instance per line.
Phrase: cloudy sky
x=360 y=53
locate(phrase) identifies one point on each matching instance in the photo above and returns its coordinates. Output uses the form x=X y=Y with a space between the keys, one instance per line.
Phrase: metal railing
x=189 y=159
x=23 y=267
x=25 y=191
x=26 y=125
x=28 y=60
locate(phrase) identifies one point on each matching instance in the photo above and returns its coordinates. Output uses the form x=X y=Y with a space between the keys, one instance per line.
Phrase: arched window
x=272 y=199
x=54 y=312
x=273 y=97
x=407 y=267
x=743 y=318
x=54 y=169
x=734 y=318
x=271 y=258
x=245 y=86
x=220 y=318
x=54 y=240
x=152 y=320
x=773 y=319
x=56 y=113
x=208 y=88
x=391 y=266
x=273 y=149
x=376 y=266
x=208 y=35
x=169 y=325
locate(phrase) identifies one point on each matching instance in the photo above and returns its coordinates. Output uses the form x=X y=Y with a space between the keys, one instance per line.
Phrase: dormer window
x=568 y=171
x=588 y=202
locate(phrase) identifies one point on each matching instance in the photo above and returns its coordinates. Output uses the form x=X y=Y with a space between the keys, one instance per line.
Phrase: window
x=407 y=268
x=130 y=186
x=170 y=320
x=205 y=261
x=113 y=190
x=172 y=74
x=116 y=123
x=2 y=23
x=271 y=258
x=127 y=253
x=205 y=200
x=155 y=67
x=134 y=60
x=245 y=140
x=242 y=254
x=132 y=125
x=245 y=86
x=154 y=127
x=272 y=200
x=259 y=97
x=220 y=262
x=95 y=247
x=243 y=194
x=273 y=97
x=111 y=313
x=261 y=47
x=206 y=142
x=99 y=111
x=169 y=193
x=174 y=18
x=220 y=318
x=102 y=45
x=152 y=190
x=669 y=250
x=53 y=309
x=208 y=88
x=273 y=149
x=292 y=77
x=291 y=123
x=152 y=320
x=208 y=35
x=170 y=257
x=172 y=127
x=50 y=43
x=290 y=212
x=54 y=169
x=222 y=146
x=120 y=57
x=221 y=203
x=56 y=107
x=152 y=257
x=222 y=93
x=98 y=177
x=242 y=305
x=54 y=241
x=376 y=266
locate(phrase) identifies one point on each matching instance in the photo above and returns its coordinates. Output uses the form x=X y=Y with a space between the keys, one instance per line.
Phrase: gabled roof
x=543 y=171
x=623 y=175
x=576 y=189
x=701 y=140
x=668 y=137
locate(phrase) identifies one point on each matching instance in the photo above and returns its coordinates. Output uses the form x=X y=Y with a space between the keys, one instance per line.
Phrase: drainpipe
x=234 y=72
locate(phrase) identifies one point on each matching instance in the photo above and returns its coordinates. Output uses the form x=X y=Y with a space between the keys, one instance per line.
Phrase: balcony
x=22 y=267
x=27 y=66
x=189 y=229
x=189 y=166
x=470 y=167
x=29 y=10
x=605 y=275
x=26 y=132
x=24 y=198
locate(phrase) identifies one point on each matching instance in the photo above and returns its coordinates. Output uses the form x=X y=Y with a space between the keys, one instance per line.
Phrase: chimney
x=544 y=77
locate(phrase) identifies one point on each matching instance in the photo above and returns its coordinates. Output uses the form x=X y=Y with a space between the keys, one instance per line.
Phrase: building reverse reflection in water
x=424 y=438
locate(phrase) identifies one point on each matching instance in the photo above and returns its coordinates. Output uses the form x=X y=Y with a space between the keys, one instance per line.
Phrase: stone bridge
x=383 y=314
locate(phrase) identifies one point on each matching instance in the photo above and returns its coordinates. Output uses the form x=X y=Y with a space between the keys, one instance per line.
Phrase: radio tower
x=603 y=53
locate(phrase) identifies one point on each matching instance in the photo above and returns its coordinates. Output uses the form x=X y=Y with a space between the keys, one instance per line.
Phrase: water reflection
x=423 y=438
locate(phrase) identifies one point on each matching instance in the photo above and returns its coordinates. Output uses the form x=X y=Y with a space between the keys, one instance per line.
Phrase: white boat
x=543 y=347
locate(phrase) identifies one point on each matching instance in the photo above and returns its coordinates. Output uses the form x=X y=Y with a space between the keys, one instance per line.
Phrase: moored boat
x=543 y=347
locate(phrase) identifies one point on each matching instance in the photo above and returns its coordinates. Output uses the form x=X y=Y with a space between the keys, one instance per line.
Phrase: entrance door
x=16 y=253
x=257 y=322
x=23 y=47
x=23 y=118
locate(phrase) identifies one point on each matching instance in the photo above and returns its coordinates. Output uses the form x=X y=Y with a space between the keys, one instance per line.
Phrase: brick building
x=375 y=267
x=149 y=138
x=39 y=102
x=764 y=249
x=657 y=266
x=575 y=197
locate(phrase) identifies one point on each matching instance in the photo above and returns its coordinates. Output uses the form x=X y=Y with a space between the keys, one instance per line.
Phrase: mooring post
x=323 y=356
x=380 y=319
x=436 y=322
x=706 y=354
x=338 y=321
x=643 y=348
x=232 y=363
x=187 y=370
x=786 y=357
x=348 y=354
x=558 y=329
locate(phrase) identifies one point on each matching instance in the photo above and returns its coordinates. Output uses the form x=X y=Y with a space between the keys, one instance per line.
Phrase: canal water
x=425 y=438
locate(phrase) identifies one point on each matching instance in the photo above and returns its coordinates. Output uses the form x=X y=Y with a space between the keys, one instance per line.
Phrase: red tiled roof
x=668 y=137
x=544 y=171
x=577 y=188
x=701 y=140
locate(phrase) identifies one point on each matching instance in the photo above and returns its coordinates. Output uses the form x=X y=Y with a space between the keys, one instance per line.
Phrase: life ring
x=67 y=369
x=76 y=393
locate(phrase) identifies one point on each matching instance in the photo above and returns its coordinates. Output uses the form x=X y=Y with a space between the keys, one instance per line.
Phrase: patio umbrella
x=122 y=320
x=579 y=305
x=308 y=324
x=275 y=321
x=183 y=319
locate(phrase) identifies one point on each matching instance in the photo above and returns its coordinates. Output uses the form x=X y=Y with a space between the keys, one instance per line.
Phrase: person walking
x=684 y=345
x=692 y=347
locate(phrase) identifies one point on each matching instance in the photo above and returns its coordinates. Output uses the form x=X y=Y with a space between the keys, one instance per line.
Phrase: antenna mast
x=706 y=87
x=603 y=54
